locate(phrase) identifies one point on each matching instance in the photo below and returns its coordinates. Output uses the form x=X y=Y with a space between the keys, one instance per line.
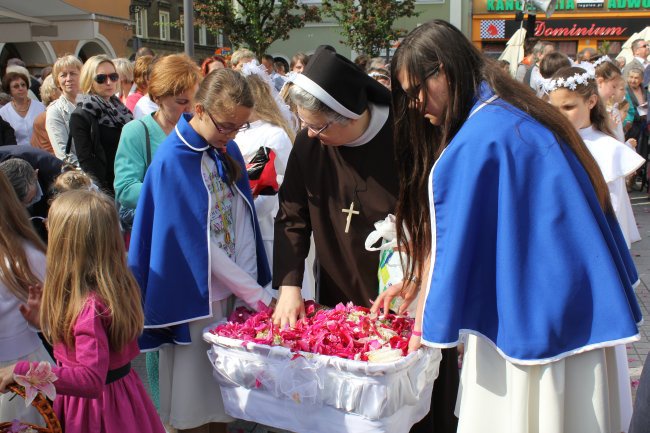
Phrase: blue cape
x=523 y=253
x=168 y=253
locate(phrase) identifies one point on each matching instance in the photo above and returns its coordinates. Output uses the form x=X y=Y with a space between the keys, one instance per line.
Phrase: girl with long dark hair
x=508 y=224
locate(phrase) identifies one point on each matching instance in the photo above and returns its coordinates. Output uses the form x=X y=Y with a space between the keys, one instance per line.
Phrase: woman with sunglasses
x=511 y=232
x=96 y=123
x=21 y=112
x=195 y=246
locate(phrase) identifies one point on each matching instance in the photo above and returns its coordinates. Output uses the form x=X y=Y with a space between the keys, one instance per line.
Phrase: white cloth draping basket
x=318 y=393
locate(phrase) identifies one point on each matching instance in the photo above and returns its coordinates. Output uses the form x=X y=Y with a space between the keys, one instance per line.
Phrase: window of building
x=182 y=28
x=163 y=22
x=141 y=23
x=203 y=35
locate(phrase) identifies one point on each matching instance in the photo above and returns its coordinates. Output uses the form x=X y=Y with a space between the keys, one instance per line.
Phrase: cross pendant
x=350 y=212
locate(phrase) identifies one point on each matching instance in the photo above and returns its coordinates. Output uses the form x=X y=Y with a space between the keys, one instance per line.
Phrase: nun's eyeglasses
x=315 y=129
x=413 y=93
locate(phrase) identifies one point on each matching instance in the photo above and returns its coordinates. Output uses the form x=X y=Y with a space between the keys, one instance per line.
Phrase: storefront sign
x=579 y=6
x=549 y=29
x=582 y=28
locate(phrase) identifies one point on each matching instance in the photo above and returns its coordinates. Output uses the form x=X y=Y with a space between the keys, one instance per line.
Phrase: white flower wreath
x=570 y=83
x=601 y=60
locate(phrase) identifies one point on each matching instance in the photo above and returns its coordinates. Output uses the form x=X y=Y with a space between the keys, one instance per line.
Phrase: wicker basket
x=44 y=408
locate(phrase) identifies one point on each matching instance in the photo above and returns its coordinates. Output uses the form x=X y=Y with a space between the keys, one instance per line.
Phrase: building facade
x=40 y=31
x=158 y=25
x=576 y=24
x=457 y=12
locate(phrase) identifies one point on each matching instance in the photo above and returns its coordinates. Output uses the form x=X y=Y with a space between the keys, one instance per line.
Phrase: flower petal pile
x=346 y=331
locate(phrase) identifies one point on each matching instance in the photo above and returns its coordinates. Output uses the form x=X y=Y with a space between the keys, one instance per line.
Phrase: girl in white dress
x=586 y=111
x=584 y=108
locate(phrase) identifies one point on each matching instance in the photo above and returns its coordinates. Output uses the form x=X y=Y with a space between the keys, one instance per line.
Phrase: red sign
x=548 y=29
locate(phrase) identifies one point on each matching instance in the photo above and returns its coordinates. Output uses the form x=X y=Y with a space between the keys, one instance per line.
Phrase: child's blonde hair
x=86 y=255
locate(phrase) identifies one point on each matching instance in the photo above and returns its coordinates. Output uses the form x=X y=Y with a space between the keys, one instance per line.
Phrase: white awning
x=44 y=20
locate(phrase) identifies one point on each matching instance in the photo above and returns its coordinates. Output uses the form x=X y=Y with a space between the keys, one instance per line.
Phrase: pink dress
x=84 y=403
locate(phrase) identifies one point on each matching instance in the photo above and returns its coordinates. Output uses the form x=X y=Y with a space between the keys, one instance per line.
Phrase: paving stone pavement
x=637 y=352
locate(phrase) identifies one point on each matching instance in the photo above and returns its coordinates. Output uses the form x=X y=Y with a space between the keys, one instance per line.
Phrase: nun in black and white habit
x=341 y=178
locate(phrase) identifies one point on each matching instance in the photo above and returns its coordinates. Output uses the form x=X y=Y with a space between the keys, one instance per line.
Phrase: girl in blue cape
x=195 y=243
x=518 y=249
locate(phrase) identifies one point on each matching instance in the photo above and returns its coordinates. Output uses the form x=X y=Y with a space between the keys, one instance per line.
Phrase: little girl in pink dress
x=91 y=312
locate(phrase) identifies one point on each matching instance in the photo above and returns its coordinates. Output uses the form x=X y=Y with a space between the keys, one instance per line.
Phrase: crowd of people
x=141 y=202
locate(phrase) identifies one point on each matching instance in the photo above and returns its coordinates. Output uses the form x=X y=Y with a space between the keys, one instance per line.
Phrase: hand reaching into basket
x=289 y=308
x=31 y=309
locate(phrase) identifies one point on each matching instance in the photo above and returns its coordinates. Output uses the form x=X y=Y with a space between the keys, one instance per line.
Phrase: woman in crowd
x=173 y=83
x=212 y=64
x=140 y=77
x=22 y=265
x=298 y=62
x=533 y=220
x=66 y=73
x=270 y=131
x=96 y=124
x=124 y=68
x=634 y=123
x=49 y=93
x=196 y=203
x=22 y=110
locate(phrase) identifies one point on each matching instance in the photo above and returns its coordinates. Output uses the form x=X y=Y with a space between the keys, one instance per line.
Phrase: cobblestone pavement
x=637 y=352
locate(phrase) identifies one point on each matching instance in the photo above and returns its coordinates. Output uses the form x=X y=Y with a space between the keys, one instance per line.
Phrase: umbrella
x=514 y=52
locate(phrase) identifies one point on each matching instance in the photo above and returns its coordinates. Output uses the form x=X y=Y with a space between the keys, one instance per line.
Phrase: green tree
x=367 y=25
x=255 y=24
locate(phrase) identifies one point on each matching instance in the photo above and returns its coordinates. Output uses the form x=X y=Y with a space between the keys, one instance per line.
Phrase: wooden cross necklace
x=350 y=212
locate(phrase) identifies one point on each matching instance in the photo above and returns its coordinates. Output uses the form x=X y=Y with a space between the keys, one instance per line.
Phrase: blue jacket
x=168 y=253
x=523 y=255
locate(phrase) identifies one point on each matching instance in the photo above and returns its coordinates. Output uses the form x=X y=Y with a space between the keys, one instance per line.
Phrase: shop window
x=181 y=27
x=570 y=48
x=493 y=49
x=610 y=47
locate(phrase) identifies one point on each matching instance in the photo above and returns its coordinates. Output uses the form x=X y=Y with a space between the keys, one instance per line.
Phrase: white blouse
x=23 y=126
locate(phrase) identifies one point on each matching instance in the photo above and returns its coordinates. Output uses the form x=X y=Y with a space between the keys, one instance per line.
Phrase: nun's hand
x=289 y=308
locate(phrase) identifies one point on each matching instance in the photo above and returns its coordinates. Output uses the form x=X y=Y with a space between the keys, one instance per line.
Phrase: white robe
x=616 y=161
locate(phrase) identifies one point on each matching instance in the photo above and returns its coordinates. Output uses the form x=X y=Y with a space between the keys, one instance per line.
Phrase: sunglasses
x=101 y=78
x=225 y=130
x=413 y=93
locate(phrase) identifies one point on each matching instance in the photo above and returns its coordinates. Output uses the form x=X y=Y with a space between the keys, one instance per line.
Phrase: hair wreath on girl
x=570 y=83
